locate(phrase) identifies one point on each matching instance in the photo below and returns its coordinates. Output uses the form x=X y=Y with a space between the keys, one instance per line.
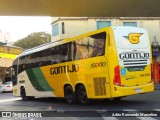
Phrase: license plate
x=138 y=90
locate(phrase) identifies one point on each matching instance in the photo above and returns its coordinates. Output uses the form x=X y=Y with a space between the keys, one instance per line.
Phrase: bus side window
x=82 y=48
x=73 y=50
x=91 y=46
x=21 y=64
x=33 y=60
x=98 y=47
x=37 y=59
x=28 y=64
x=14 y=76
x=64 y=52
x=54 y=55
x=44 y=58
x=14 y=72
x=97 y=44
x=70 y=58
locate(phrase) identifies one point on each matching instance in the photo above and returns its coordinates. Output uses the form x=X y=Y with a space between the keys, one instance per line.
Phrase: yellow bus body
x=97 y=74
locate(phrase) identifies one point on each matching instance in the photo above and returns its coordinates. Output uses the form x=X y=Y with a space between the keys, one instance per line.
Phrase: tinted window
x=53 y=56
x=97 y=44
x=91 y=46
x=87 y=47
x=14 y=72
x=65 y=52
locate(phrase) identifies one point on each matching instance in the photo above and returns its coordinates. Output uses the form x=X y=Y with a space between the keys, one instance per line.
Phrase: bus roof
x=40 y=47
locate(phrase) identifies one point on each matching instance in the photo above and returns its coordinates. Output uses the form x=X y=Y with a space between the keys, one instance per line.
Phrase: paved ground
x=102 y=109
x=97 y=110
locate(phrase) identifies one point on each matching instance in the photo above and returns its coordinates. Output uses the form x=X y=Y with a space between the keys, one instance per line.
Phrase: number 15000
x=100 y=64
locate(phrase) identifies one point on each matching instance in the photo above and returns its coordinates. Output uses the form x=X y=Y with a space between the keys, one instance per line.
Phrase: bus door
x=99 y=66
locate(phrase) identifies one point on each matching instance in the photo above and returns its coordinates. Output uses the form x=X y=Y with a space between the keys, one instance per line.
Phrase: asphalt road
x=135 y=104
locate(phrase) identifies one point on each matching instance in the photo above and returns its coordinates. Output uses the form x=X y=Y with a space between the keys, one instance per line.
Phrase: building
x=4 y=36
x=66 y=27
x=7 y=55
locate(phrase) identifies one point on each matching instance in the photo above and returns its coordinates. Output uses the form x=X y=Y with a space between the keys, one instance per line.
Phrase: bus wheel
x=23 y=94
x=82 y=95
x=70 y=96
x=117 y=98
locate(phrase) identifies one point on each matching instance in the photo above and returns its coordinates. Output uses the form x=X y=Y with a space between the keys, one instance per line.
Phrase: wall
x=10 y=50
x=7 y=55
x=153 y=27
x=77 y=26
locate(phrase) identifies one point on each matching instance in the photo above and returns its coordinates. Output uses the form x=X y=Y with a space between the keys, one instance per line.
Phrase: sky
x=21 y=26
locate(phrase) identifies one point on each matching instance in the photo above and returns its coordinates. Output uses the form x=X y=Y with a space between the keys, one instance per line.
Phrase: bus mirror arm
x=7 y=71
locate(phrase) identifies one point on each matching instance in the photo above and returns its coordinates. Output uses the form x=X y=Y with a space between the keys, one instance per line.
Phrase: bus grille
x=132 y=63
x=99 y=86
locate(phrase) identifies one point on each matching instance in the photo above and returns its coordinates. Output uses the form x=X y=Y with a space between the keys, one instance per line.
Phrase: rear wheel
x=82 y=95
x=70 y=96
x=117 y=98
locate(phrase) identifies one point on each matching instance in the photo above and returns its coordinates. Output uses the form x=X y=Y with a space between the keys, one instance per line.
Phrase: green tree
x=33 y=39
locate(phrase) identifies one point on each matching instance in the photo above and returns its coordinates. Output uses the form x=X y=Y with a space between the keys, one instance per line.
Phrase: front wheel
x=82 y=95
x=23 y=94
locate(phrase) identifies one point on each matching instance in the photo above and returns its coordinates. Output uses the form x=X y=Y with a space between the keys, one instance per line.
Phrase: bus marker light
x=138 y=90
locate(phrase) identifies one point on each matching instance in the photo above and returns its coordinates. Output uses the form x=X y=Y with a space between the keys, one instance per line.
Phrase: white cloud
x=20 y=26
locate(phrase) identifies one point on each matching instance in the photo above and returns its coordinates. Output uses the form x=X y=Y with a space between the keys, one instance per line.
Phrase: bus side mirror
x=7 y=73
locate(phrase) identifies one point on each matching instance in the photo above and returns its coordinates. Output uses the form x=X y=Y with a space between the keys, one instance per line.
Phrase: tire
x=70 y=96
x=82 y=95
x=23 y=94
x=117 y=98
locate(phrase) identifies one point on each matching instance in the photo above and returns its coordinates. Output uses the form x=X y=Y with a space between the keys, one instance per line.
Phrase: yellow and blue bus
x=111 y=62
